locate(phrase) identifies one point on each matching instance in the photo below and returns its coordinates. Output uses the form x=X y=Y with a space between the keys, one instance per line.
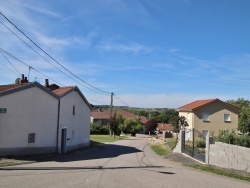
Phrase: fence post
x=182 y=140
x=209 y=140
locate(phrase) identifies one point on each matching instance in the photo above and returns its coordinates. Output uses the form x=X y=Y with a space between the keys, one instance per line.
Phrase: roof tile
x=60 y=91
x=196 y=104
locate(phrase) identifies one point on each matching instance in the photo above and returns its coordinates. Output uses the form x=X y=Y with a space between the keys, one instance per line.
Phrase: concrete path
x=125 y=163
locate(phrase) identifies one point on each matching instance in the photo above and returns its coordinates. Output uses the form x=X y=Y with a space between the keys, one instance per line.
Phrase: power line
x=44 y=57
x=52 y=57
x=121 y=100
x=12 y=56
x=10 y=63
x=9 y=69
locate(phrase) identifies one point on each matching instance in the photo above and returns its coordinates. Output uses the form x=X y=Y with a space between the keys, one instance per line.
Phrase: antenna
x=30 y=67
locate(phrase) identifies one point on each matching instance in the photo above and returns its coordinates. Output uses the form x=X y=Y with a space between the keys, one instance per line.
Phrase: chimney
x=25 y=80
x=47 y=83
x=22 y=79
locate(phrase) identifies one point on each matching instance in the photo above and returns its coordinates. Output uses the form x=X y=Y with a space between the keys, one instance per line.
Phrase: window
x=227 y=117
x=74 y=110
x=31 y=138
x=204 y=133
x=205 y=116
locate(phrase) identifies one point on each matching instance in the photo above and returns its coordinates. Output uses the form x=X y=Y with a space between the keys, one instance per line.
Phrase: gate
x=195 y=144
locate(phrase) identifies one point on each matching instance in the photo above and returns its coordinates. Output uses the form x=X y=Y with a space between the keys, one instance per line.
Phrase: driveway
x=125 y=163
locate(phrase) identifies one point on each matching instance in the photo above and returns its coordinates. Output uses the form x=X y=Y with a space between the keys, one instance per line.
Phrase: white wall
x=79 y=123
x=28 y=111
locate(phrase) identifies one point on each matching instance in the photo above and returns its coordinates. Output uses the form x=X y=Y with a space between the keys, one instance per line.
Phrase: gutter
x=58 y=125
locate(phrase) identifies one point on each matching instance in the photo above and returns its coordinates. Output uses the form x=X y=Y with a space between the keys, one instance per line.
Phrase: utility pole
x=111 y=106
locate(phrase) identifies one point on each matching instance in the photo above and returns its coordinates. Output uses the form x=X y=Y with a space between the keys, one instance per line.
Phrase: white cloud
x=110 y=45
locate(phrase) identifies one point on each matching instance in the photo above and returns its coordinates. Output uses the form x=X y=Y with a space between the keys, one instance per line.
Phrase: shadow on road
x=108 y=151
x=94 y=152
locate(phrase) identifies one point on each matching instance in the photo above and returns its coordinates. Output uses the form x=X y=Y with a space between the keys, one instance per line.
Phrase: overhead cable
x=52 y=57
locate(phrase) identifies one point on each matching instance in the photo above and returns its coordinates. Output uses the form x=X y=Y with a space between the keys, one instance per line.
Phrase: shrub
x=244 y=140
x=201 y=144
x=231 y=138
x=95 y=128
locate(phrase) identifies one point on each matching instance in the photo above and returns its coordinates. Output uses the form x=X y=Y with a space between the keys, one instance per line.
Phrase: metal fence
x=195 y=144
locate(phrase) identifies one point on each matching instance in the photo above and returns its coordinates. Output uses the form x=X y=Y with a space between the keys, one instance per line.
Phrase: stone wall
x=229 y=156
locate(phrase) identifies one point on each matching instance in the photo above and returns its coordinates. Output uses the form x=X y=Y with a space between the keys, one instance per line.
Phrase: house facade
x=33 y=119
x=29 y=123
x=74 y=119
x=207 y=117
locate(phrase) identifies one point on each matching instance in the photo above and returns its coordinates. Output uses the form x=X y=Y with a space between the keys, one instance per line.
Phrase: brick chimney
x=22 y=79
x=47 y=83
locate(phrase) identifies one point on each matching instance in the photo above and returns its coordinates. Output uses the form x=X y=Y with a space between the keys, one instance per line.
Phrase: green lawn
x=105 y=138
x=160 y=150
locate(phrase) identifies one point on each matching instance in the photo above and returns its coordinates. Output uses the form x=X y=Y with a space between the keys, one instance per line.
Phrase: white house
x=34 y=119
x=74 y=119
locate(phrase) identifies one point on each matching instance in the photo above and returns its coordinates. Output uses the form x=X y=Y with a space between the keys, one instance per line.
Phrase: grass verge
x=160 y=150
x=164 y=148
x=105 y=138
x=219 y=172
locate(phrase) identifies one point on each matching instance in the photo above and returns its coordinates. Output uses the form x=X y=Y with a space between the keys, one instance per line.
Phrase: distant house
x=209 y=116
x=102 y=116
x=34 y=119
x=165 y=127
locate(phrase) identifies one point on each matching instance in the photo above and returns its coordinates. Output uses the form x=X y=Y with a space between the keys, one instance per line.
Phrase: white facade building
x=34 y=119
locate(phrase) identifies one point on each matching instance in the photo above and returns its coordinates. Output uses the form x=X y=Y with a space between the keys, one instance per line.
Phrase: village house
x=42 y=119
x=207 y=117
x=102 y=116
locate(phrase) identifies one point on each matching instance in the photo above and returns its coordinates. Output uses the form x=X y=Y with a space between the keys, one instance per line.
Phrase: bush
x=201 y=144
x=244 y=140
x=95 y=128
x=231 y=138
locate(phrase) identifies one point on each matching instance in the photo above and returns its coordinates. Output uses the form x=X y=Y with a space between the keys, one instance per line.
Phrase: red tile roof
x=196 y=104
x=105 y=114
x=200 y=103
x=62 y=90
x=165 y=127
x=143 y=119
x=11 y=86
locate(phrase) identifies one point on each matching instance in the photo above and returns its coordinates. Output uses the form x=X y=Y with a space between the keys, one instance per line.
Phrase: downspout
x=58 y=126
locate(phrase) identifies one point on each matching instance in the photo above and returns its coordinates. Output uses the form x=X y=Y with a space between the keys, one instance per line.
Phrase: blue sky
x=150 y=53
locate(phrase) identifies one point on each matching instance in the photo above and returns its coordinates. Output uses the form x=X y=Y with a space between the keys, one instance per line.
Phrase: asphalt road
x=125 y=163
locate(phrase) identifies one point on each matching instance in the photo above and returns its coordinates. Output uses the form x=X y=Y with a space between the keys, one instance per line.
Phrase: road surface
x=125 y=163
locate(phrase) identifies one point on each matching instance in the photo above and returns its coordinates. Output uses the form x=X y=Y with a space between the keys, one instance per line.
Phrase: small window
x=227 y=117
x=205 y=116
x=31 y=138
x=204 y=133
x=74 y=110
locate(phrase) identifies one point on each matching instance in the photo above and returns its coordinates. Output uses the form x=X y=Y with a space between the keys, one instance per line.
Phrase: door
x=63 y=140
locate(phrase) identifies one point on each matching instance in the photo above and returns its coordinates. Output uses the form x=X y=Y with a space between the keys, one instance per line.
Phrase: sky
x=150 y=53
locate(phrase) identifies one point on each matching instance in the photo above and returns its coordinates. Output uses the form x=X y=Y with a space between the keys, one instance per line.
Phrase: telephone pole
x=111 y=106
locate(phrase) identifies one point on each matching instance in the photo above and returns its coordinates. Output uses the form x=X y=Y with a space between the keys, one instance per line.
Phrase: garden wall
x=229 y=156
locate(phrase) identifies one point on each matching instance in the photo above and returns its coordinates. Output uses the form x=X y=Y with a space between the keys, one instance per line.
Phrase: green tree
x=113 y=125
x=240 y=103
x=244 y=116
x=167 y=115
x=244 y=121
x=132 y=126
x=179 y=122
x=119 y=119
